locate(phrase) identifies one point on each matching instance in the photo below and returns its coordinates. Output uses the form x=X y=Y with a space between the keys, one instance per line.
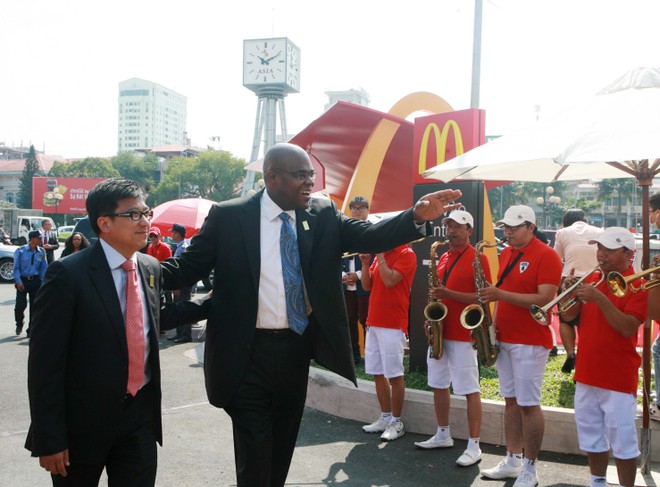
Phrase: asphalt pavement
x=198 y=438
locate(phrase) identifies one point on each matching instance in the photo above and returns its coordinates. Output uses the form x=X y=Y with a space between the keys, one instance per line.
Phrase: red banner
x=62 y=195
x=443 y=136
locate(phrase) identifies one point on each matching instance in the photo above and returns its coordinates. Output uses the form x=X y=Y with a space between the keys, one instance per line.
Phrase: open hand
x=433 y=205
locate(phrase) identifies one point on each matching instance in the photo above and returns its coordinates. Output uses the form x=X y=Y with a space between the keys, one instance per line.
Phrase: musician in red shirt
x=157 y=248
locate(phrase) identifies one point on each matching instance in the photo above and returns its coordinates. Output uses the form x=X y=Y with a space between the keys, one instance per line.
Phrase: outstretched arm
x=433 y=205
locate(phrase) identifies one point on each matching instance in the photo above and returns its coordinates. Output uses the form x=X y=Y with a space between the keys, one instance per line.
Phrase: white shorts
x=383 y=352
x=521 y=369
x=457 y=366
x=606 y=419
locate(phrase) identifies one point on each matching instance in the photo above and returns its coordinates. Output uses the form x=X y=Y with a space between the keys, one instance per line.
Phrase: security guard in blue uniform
x=30 y=266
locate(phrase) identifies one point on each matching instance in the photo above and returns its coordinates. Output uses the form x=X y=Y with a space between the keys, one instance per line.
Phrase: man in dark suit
x=93 y=368
x=256 y=366
x=49 y=239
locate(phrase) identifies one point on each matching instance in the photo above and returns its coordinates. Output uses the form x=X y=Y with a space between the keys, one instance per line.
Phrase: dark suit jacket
x=78 y=362
x=52 y=240
x=229 y=241
x=345 y=266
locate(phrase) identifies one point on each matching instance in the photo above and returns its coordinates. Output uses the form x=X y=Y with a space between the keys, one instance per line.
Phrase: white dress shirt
x=115 y=260
x=271 y=313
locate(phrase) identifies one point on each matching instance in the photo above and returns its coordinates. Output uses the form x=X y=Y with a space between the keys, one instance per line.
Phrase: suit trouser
x=357 y=308
x=184 y=331
x=31 y=287
x=131 y=458
x=268 y=407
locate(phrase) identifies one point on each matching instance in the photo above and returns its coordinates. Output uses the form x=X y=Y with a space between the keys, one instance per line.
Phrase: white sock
x=598 y=481
x=529 y=465
x=395 y=419
x=386 y=416
x=473 y=444
x=443 y=433
x=514 y=459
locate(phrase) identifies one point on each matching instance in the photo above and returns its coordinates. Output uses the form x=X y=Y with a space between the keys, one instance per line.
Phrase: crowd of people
x=94 y=374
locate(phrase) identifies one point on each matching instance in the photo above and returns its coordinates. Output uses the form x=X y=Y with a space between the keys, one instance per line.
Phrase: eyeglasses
x=299 y=175
x=508 y=228
x=358 y=208
x=152 y=235
x=135 y=215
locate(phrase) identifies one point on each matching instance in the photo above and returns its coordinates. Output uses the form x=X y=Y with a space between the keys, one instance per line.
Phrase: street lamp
x=54 y=197
x=546 y=201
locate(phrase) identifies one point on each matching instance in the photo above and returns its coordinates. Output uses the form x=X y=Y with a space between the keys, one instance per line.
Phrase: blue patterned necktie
x=293 y=282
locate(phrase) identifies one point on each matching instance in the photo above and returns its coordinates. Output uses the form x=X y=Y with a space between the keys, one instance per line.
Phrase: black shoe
x=174 y=338
x=569 y=365
x=553 y=351
x=19 y=328
x=182 y=340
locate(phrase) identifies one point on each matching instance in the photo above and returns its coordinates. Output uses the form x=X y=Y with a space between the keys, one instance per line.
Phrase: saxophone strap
x=508 y=269
x=445 y=276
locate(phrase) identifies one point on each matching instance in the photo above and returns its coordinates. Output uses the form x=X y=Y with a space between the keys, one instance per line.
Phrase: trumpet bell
x=435 y=311
x=617 y=284
x=472 y=316
x=540 y=315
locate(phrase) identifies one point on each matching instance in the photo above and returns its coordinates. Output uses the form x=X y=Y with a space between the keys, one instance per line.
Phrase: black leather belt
x=275 y=331
x=29 y=278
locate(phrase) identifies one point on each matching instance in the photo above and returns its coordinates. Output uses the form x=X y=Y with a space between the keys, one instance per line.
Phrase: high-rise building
x=150 y=115
x=357 y=97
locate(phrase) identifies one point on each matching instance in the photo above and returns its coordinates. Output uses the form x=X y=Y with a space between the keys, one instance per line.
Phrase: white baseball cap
x=517 y=215
x=615 y=238
x=459 y=216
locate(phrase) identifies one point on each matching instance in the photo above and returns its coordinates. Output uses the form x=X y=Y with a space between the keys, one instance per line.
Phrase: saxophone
x=476 y=317
x=434 y=312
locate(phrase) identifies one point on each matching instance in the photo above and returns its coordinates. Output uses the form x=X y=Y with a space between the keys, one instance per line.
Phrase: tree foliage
x=30 y=170
x=90 y=167
x=142 y=170
x=213 y=175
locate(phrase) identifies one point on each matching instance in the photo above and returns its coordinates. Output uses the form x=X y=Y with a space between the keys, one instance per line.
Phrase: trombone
x=541 y=314
x=620 y=285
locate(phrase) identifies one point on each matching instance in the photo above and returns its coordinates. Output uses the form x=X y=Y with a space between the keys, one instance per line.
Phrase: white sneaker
x=469 y=457
x=394 y=430
x=526 y=479
x=502 y=471
x=433 y=442
x=376 y=427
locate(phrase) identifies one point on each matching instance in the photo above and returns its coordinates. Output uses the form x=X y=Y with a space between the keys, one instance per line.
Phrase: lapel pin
x=151 y=281
x=305 y=225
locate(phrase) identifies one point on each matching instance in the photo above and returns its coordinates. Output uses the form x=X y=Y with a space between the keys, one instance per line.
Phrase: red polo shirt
x=388 y=307
x=605 y=358
x=539 y=264
x=460 y=279
x=161 y=251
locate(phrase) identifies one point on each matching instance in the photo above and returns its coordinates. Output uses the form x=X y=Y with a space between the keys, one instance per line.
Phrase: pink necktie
x=134 y=329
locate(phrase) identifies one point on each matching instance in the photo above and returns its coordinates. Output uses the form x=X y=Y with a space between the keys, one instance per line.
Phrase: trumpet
x=541 y=314
x=620 y=285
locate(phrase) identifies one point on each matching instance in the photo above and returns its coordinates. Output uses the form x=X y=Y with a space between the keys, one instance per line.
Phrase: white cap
x=517 y=215
x=615 y=238
x=459 y=216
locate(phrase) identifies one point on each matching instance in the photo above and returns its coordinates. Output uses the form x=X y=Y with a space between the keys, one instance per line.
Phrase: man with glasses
x=278 y=301
x=357 y=299
x=530 y=273
x=93 y=367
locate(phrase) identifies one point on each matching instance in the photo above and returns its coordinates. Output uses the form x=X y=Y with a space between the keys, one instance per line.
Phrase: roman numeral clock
x=271 y=68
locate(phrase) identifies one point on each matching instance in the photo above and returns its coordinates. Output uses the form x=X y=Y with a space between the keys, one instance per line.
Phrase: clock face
x=293 y=66
x=264 y=61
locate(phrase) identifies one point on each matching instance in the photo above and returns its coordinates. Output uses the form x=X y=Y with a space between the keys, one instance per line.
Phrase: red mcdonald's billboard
x=62 y=195
x=443 y=136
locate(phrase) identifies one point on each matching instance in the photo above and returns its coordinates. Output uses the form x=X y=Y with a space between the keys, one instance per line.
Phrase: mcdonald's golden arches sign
x=443 y=136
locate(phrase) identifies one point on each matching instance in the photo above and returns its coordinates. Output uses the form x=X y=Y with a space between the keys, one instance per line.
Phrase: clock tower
x=271 y=68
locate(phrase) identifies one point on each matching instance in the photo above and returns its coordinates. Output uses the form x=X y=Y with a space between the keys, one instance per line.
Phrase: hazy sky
x=62 y=60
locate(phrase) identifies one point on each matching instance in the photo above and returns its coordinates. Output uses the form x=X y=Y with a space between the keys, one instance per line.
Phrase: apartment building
x=150 y=115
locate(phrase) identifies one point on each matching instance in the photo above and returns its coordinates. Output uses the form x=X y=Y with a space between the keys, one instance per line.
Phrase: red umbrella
x=189 y=212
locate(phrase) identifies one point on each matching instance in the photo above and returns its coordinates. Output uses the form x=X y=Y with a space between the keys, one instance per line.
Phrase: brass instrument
x=477 y=317
x=347 y=256
x=620 y=285
x=541 y=313
x=434 y=312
